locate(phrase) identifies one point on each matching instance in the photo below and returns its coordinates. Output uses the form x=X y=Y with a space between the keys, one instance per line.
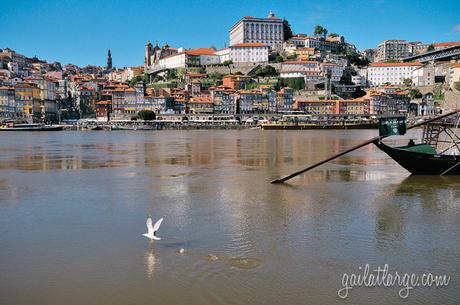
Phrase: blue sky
x=80 y=32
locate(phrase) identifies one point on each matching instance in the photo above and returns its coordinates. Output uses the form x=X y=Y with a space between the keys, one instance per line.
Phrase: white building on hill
x=390 y=73
x=249 y=52
x=258 y=30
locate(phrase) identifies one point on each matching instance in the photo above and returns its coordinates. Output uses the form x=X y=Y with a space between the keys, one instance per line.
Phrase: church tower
x=147 y=55
x=109 y=60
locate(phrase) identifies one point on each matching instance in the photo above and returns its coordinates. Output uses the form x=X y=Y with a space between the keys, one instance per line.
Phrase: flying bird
x=152 y=228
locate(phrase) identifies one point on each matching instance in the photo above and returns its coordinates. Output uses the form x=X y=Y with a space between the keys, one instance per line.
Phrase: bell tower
x=147 y=55
x=109 y=60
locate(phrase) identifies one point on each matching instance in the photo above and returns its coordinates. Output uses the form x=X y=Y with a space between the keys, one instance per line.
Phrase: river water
x=73 y=207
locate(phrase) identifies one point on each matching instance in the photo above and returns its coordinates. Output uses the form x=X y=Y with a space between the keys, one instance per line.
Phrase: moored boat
x=11 y=126
x=319 y=125
x=422 y=159
x=438 y=153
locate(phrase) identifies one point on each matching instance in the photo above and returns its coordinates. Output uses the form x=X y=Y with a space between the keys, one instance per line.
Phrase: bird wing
x=157 y=225
x=150 y=228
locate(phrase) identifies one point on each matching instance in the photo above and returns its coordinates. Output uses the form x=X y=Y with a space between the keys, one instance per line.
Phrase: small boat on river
x=13 y=126
x=438 y=152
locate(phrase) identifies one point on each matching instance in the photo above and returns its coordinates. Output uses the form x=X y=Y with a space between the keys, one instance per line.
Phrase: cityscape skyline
x=93 y=27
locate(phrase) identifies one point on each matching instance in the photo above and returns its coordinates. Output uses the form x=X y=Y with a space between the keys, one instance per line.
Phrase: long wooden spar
x=283 y=179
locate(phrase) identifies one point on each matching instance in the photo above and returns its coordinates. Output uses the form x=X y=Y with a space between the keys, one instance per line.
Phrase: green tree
x=457 y=86
x=146 y=115
x=215 y=75
x=407 y=82
x=287 y=30
x=333 y=35
x=415 y=93
x=170 y=103
x=227 y=64
x=279 y=58
x=171 y=74
x=430 y=48
x=355 y=59
x=346 y=78
x=180 y=73
x=135 y=80
x=296 y=83
x=265 y=71
x=318 y=30
x=146 y=78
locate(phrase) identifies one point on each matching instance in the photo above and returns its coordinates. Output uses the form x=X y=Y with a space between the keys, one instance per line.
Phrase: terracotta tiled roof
x=299 y=62
x=329 y=101
x=396 y=64
x=201 y=51
x=200 y=100
x=447 y=44
x=196 y=74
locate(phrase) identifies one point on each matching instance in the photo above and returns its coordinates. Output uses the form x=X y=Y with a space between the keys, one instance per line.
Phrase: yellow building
x=25 y=94
x=317 y=106
x=359 y=106
x=304 y=53
x=454 y=74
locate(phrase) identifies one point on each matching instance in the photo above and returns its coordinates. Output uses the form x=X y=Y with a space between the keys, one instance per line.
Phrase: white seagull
x=152 y=229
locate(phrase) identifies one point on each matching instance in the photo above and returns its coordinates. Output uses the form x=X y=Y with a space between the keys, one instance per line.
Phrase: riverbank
x=275 y=123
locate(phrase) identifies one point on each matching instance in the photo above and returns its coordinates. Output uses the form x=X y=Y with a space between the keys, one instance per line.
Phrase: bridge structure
x=156 y=69
x=442 y=54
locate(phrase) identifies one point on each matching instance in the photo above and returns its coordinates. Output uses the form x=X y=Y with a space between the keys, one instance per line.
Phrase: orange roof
x=299 y=62
x=249 y=44
x=447 y=44
x=196 y=74
x=200 y=100
x=330 y=101
x=316 y=101
x=201 y=51
x=395 y=64
x=299 y=37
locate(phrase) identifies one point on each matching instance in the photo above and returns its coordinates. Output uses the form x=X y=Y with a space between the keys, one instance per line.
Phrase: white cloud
x=457 y=28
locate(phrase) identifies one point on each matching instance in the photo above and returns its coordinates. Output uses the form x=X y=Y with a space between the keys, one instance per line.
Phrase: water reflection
x=423 y=194
x=264 y=151
x=151 y=262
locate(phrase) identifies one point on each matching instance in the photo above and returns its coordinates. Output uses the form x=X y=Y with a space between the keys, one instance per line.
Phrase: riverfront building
x=7 y=102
